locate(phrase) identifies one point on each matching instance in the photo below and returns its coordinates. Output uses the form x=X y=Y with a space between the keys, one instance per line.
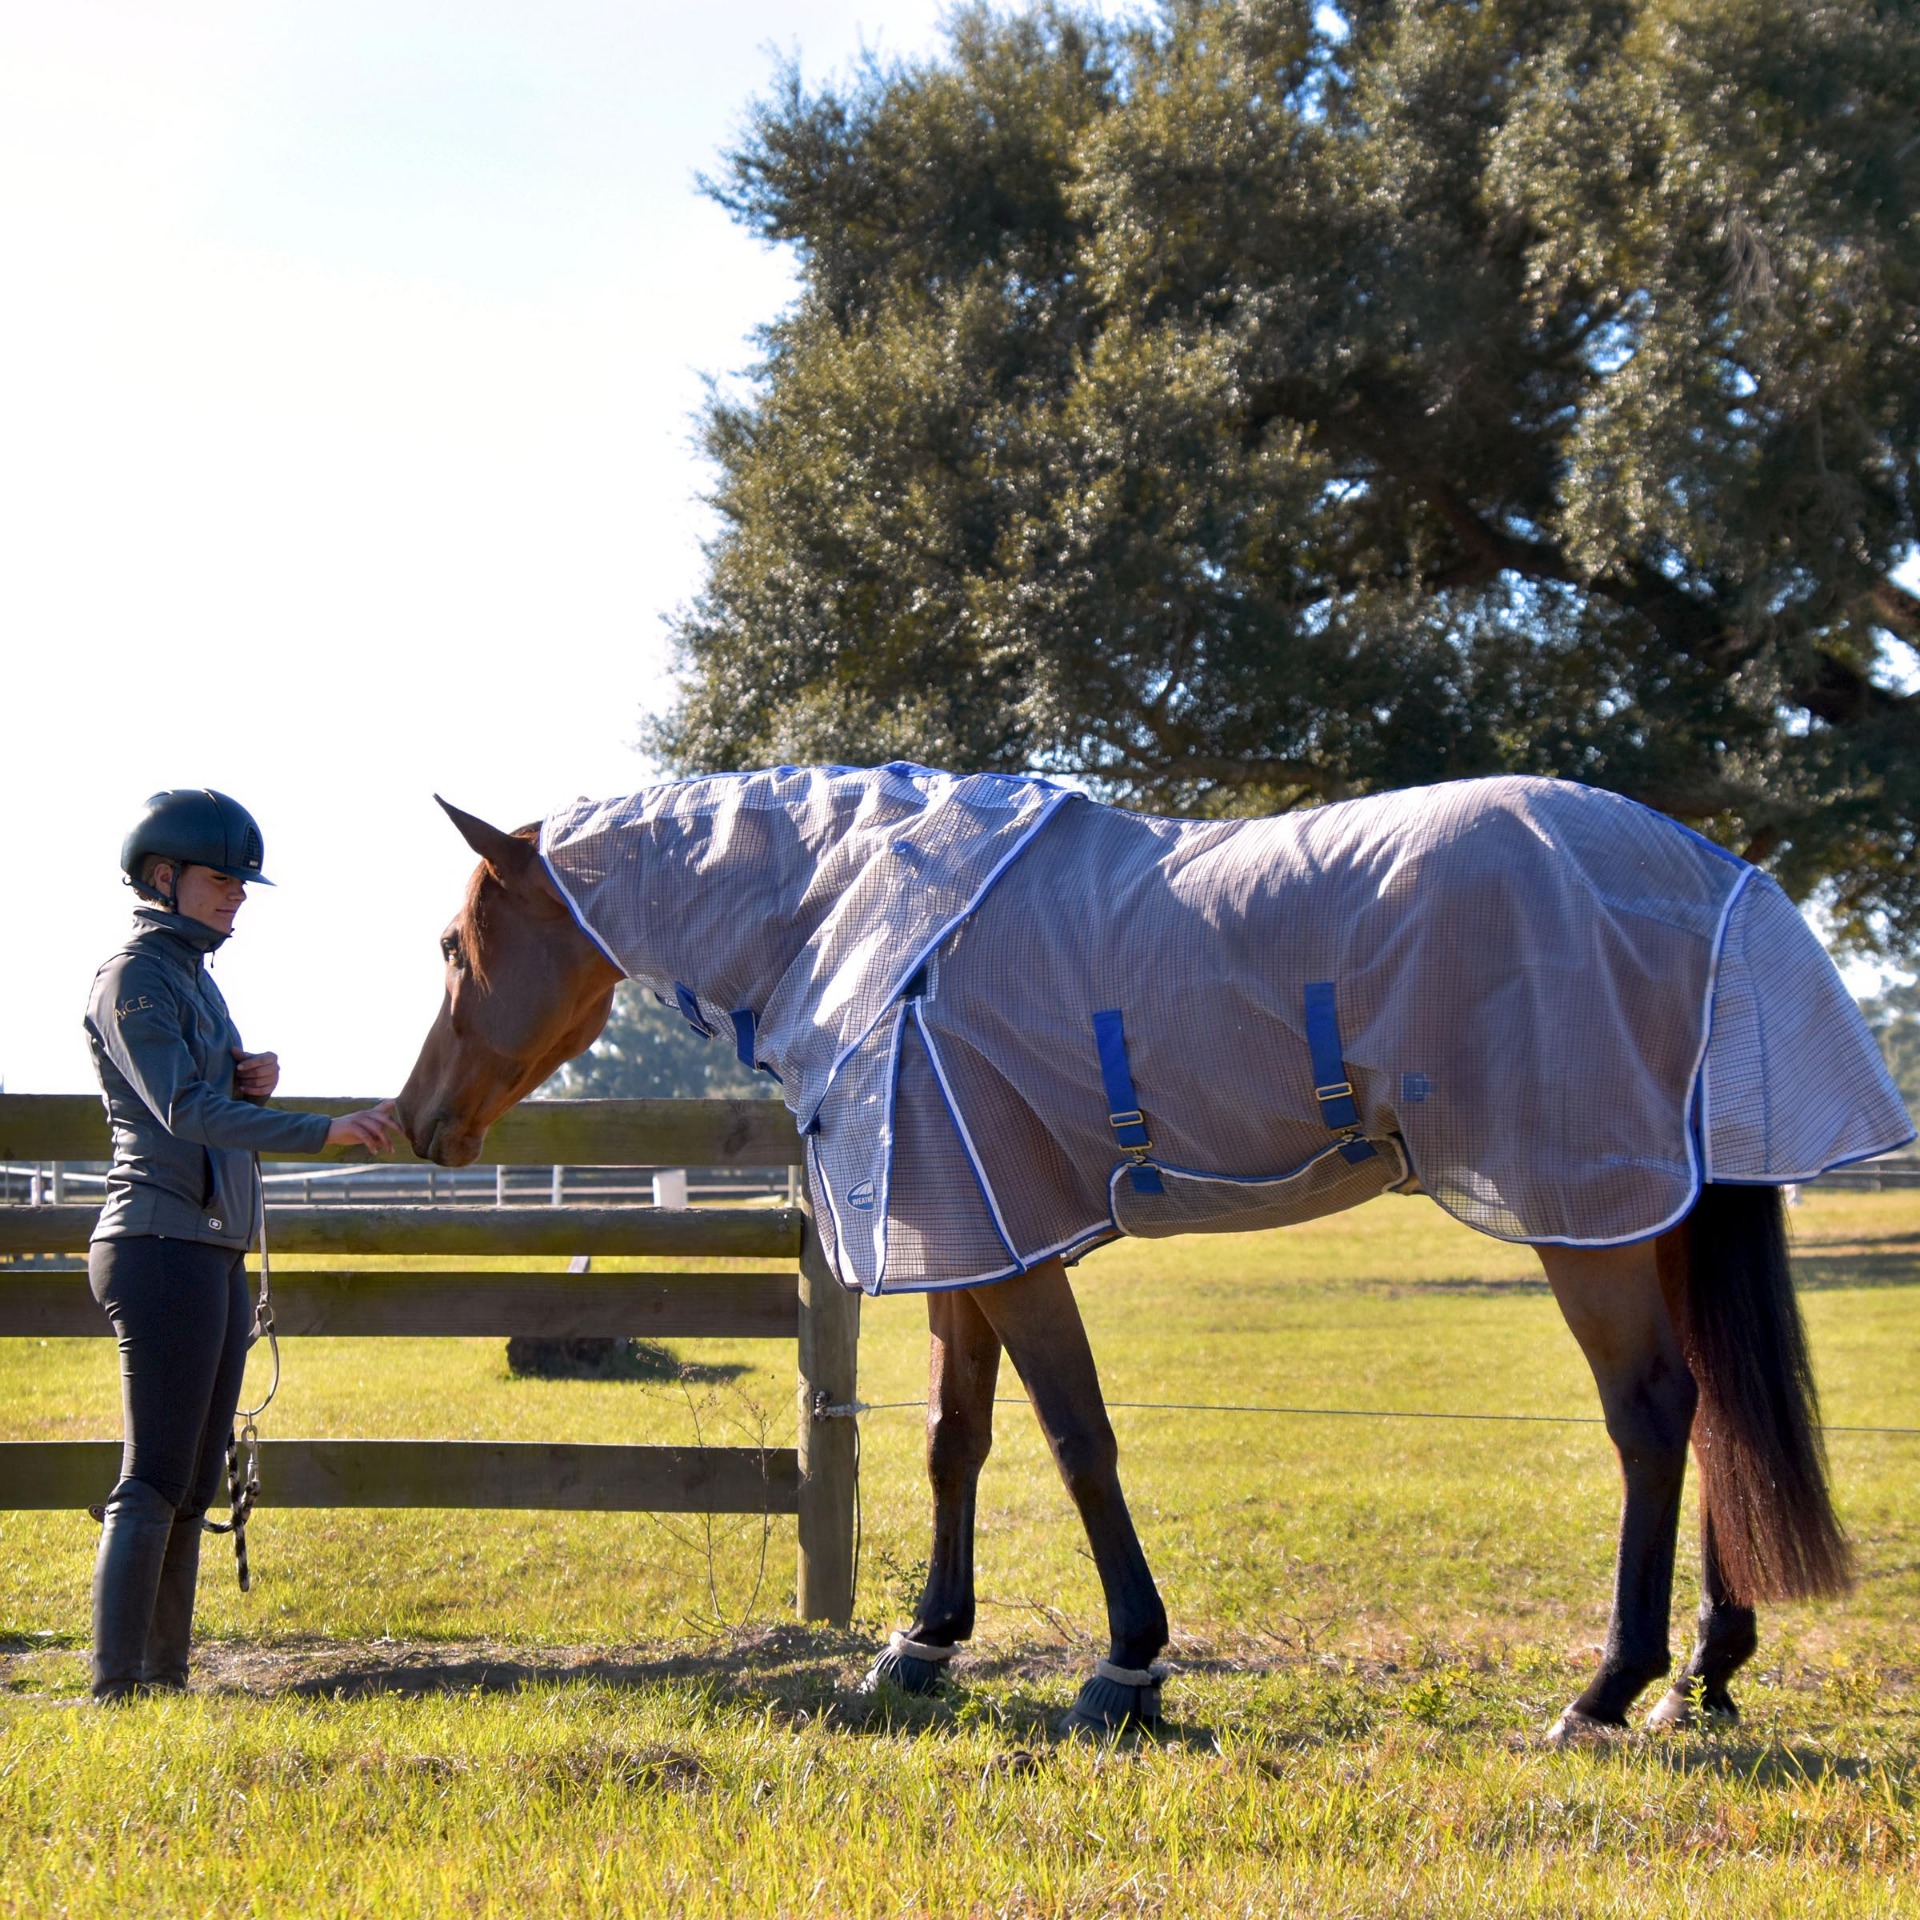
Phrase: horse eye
x=450 y=949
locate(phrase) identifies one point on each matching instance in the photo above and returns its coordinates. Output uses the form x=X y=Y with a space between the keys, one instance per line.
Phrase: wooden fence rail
x=445 y=1473
x=537 y=1133
x=814 y=1481
x=713 y=1233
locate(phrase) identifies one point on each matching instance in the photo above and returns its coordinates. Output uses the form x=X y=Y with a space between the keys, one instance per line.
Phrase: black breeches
x=181 y=1315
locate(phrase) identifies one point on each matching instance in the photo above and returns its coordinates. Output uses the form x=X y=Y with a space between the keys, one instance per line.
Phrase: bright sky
x=347 y=370
x=348 y=363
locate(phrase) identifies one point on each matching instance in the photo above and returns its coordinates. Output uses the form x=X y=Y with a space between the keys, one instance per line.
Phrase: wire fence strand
x=1351 y=1413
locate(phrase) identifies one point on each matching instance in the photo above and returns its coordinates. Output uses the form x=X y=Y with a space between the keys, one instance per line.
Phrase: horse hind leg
x=962 y=1372
x=1613 y=1302
x=1725 y=1638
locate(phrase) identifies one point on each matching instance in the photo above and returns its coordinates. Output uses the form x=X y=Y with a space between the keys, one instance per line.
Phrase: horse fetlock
x=1138 y=1649
x=1728 y=1638
x=1576 y=1729
x=1616 y=1686
x=1693 y=1705
x=942 y=1626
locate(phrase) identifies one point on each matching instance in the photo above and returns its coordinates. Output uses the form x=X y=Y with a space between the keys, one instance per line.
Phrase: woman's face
x=209 y=897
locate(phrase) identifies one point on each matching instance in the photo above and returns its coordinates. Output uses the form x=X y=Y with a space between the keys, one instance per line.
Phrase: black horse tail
x=1756 y=1435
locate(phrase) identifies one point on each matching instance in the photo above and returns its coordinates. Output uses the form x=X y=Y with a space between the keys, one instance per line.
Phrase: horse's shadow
x=787 y=1665
x=1759 y=1762
x=799 y=1673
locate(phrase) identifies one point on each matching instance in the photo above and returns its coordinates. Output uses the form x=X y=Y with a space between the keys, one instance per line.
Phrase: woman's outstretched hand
x=372 y=1127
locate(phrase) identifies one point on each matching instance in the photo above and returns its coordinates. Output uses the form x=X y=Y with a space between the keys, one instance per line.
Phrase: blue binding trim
x=683 y=998
x=1129 y=1124
x=1331 y=1087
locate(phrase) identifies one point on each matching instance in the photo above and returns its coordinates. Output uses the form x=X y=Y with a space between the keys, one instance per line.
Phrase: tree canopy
x=1262 y=404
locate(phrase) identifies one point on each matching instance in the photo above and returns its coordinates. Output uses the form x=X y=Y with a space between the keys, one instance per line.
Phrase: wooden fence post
x=829 y=1374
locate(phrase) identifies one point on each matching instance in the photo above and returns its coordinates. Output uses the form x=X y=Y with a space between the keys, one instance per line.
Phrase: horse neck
x=723 y=914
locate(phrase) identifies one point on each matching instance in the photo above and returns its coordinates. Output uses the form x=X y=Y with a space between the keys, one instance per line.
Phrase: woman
x=186 y=1110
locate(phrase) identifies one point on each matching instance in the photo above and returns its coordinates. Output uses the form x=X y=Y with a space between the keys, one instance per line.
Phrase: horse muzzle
x=444 y=1140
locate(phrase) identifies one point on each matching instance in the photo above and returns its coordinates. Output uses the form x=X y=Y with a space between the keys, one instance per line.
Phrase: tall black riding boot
x=170 y=1637
x=126 y=1581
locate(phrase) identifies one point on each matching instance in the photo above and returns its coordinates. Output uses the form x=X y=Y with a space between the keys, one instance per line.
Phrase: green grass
x=536 y=1714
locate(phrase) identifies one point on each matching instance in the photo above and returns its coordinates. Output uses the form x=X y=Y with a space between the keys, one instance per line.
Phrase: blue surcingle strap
x=744 y=1023
x=683 y=998
x=1129 y=1124
x=1331 y=1087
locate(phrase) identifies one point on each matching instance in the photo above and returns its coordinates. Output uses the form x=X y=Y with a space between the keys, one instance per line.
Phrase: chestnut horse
x=1692 y=1335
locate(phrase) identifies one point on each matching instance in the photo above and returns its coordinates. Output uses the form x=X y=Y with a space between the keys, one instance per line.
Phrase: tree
x=1894 y=1016
x=650 y=1052
x=1260 y=406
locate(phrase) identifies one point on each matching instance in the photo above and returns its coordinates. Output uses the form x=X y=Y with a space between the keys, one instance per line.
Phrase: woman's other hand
x=255 y=1075
x=372 y=1127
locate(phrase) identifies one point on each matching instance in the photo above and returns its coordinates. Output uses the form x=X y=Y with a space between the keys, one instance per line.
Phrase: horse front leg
x=1038 y=1322
x=962 y=1370
x=1612 y=1299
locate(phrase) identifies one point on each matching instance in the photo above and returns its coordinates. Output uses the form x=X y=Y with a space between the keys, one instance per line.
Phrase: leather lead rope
x=243 y=1446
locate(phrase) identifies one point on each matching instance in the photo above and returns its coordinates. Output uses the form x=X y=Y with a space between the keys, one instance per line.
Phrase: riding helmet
x=194 y=826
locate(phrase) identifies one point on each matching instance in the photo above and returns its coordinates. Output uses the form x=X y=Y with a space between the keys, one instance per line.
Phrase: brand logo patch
x=125 y=1007
x=1414 y=1088
x=861 y=1196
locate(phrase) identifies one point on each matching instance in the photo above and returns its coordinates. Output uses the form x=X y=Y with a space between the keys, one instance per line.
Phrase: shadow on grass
x=1493 y=1289
x=1892 y=1263
x=53 y=1642
x=1758 y=1763
x=533 y=1357
x=799 y=1673
x=788 y=1666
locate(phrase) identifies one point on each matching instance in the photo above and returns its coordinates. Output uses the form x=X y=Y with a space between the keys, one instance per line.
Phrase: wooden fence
x=814 y=1481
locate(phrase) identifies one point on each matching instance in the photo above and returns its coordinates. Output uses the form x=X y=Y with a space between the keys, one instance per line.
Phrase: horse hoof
x=1116 y=1700
x=909 y=1665
x=1673 y=1711
x=1677 y=1712
x=1577 y=1729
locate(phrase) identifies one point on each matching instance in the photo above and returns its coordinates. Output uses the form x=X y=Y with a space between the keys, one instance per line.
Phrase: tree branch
x=1897 y=609
x=1827 y=686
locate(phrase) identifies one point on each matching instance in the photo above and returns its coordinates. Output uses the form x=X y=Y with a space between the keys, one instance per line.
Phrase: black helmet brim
x=197 y=827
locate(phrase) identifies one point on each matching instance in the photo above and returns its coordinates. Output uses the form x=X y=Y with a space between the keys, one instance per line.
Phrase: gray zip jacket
x=162 y=1042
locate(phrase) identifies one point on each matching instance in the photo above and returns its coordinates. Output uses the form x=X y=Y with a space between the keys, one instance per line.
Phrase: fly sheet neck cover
x=1012 y=1023
x=805 y=896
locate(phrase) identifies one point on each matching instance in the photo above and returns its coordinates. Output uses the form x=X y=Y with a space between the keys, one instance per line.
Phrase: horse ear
x=507 y=854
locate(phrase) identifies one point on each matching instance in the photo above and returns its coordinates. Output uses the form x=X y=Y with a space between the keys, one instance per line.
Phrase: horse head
x=525 y=990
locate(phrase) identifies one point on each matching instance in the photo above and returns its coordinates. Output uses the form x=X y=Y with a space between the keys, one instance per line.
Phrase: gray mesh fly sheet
x=1011 y=1023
